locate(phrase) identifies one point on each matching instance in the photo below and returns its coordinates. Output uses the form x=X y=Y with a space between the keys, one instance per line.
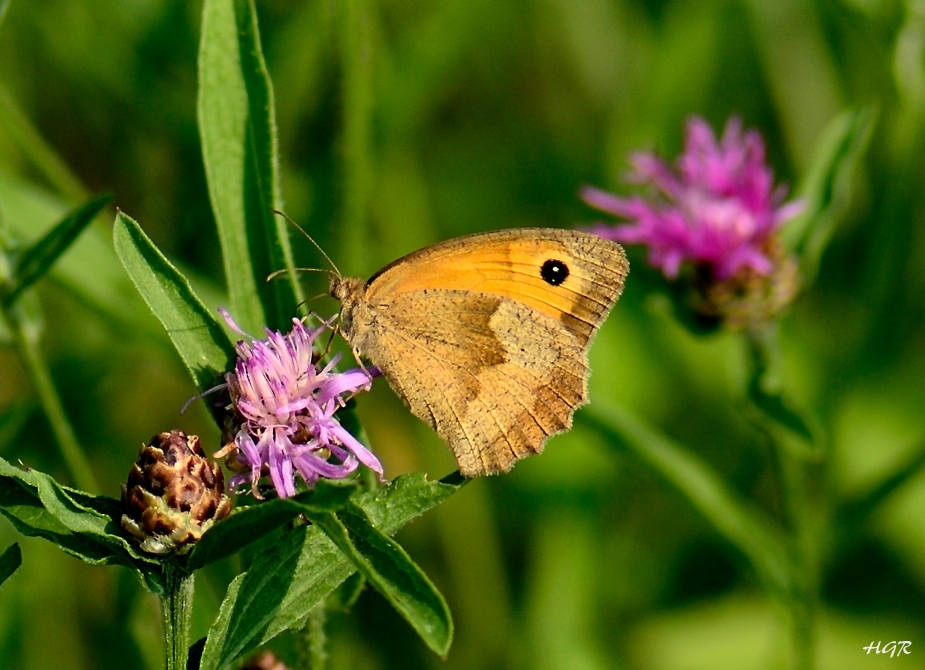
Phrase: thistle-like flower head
x=715 y=215
x=716 y=207
x=283 y=405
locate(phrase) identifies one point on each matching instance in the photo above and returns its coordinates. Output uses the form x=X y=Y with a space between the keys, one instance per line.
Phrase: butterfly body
x=485 y=337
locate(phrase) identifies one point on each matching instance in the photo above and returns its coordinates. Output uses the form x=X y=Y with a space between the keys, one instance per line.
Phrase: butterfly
x=486 y=337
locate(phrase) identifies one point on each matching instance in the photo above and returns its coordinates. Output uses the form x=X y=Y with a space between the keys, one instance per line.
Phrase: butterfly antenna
x=310 y=239
x=276 y=273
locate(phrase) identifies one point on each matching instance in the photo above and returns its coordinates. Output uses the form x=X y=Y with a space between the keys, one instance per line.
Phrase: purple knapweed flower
x=284 y=409
x=716 y=208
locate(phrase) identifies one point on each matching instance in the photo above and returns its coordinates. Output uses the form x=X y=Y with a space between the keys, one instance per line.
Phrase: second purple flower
x=715 y=211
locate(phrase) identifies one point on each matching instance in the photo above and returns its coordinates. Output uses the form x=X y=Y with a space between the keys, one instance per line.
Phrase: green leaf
x=11 y=559
x=294 y=575
x=197 y=336
x=90 y=271
x=826 y=188
x=776 y=407
x=742 y=524
x=764 y=390
x=82 y=525
x=285 y=581
x=36 y=259
x=856 y=509
x=26 y=323
x=251 y=524
x=237 y=128
x=345 y=596
x=392 y=572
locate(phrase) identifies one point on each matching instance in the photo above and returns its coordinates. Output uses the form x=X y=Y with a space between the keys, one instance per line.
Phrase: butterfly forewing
x=509 y=264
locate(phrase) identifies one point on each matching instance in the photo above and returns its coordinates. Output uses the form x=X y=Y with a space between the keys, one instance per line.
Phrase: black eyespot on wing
x=554 y=272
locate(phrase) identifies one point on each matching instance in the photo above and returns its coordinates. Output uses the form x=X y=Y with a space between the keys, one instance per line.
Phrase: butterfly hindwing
x=494 y=358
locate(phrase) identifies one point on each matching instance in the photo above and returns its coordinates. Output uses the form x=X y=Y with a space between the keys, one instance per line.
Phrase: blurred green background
x=483 y=116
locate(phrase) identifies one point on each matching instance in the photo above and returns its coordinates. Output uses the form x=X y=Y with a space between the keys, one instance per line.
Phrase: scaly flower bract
x=284 y=409
x=716 y=208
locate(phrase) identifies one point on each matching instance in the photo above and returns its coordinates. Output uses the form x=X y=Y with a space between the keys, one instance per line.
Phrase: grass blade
x=36 y=259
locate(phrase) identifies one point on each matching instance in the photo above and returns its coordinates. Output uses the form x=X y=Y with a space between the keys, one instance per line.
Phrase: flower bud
x=173 y=494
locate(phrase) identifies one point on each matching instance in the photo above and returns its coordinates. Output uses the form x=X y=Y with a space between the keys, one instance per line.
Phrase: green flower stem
x=793 y=466
x=746 y=528
x=26 y=335
x=804 y=560
x=315 y=637
x=177 y=609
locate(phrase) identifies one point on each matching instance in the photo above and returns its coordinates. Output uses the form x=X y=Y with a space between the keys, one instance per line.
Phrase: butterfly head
x=343 y=289
x=349 y=291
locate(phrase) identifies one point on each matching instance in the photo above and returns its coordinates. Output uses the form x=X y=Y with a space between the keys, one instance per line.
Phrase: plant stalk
x=177 y=609
x=793 y=468
x=316 y=638
x=26 y=334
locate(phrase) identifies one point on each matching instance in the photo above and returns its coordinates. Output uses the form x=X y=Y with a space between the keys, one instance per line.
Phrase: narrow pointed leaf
x=827 y=187
x=90 y=271
x=197 y=336
x=40 y=153
x=84 y=526
x=392 y=572
x=66 y=510
x=294 y=575
x=776 y=413
x=284 y=583
x=855 y=510
x=237 y=128
x=776 y=407
x=37 y=259
x=11 y=559
x=345 y=596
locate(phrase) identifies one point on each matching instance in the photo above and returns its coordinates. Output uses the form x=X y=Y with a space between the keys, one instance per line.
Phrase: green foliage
x=35 y=260
x=237 y=124
x=249 y=525
x=388 y=568
x=826 y=189
x=197 y=336
x=746 y=528
x=84 y=526
x=292 y=576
